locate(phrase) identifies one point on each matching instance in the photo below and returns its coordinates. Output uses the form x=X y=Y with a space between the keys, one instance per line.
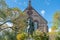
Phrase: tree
x=56 y=21
x=54 y=34
x=3 y=5
x=20 y=22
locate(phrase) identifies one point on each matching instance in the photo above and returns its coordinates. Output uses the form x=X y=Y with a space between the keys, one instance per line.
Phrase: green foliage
x=57 y=38
x=55 y=33
x=6 y=35
x=56 y=20
x=3 y=5
x=2 y=15
x=40 y=36
x=20 y=22
x=22 y=36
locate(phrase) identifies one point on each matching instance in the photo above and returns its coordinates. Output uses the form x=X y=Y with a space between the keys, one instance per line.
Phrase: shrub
x=40 y=36
x=21 y=36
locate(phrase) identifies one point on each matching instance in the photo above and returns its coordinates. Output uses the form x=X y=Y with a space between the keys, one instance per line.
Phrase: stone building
x=39 y=22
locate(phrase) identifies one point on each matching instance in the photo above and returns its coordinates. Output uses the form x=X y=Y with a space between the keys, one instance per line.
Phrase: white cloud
x=43 y=12
x=49 y=30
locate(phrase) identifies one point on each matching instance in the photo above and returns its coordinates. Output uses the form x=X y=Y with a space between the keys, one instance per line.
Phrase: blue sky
x=46 y=8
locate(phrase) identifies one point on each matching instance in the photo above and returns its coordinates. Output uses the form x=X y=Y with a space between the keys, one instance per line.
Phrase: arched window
x=35 y=25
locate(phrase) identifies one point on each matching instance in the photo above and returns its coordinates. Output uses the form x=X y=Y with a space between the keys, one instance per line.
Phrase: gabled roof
x=31 y=8
x=37 y=13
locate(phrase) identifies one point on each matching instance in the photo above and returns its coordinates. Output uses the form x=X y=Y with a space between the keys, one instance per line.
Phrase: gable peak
x=29 y=5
